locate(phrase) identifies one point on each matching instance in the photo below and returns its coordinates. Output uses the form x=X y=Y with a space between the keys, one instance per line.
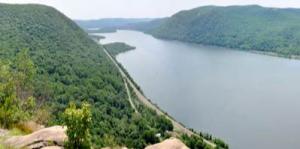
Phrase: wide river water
x=249 y=100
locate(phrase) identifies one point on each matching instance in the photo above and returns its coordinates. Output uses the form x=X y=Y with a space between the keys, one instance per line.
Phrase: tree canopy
x=67 y=66
x=241 y=27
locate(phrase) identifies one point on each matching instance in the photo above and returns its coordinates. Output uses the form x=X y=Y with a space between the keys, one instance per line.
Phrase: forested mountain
x=241 y=27
x=146 y=26
x=72 y=67
x=109 y=22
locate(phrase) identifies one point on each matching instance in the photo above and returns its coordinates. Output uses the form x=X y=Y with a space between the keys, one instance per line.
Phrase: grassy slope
x=71 y=67
x=241 y=27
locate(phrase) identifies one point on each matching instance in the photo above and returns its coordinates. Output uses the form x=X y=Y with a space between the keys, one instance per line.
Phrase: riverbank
x=177 y=126
x=213 y=89
x=294 y=57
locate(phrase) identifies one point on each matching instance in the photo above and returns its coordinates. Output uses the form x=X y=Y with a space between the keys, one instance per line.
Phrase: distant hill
x=242 y=27
x=109 y=22
x=146 y=26
x=72 y=67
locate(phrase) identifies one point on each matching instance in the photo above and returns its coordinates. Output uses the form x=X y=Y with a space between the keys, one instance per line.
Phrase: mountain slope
x=242 y=27
x=72 y=67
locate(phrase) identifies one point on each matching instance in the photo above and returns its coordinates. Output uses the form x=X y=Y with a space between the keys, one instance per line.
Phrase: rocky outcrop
x=171 y=143
x=47 y=138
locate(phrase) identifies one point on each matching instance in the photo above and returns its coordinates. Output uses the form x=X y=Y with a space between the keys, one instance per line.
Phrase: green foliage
x=149 y=137
x=24 y=74
x=117 y=47
x=15 y=105
x=240 y=27
x=194 y=142
x=69 y=65
x=110 y=141
x=221 y=144
x=164 y=124
x=78 y=122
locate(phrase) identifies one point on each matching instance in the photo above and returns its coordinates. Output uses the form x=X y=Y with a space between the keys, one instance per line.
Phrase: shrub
x=164 y=124
x=221 y=144
x=149 y=137
x=194 y=142
x=78 y=122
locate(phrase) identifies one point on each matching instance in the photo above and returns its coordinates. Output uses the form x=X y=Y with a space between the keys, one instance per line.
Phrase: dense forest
x=70 y=67
x=269 y=30
x=241 y=27
x=117 y=48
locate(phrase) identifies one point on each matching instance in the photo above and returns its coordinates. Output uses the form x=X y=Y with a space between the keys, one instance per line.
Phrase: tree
x=24 y=74
x=78 y=122
x=13 y=110
x=149 y=137
x=194 y=142
x=8 y=103
x=164 y=124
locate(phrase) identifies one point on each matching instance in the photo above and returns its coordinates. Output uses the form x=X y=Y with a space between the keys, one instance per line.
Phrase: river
x=250 y=101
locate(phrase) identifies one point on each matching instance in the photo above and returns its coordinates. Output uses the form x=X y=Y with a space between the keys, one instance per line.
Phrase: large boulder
x=171 y=143
x=52 y=136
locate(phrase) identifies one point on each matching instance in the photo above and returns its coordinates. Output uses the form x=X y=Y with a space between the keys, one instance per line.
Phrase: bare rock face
x=52 y=137
x=171 y=143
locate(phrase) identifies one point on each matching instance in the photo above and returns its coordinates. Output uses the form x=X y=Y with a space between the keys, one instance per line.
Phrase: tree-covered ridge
x=241 y=27
x=72 y=67
x=116 y=48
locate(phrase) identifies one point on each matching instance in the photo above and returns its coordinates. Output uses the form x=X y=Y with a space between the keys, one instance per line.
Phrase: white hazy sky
x=94 y=9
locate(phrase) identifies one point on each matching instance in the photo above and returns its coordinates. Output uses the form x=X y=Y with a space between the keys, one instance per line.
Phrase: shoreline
x=147 y=102
x=273 y=54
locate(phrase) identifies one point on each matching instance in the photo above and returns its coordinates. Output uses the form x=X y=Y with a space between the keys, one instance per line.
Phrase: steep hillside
x=72 y=67
x=242 y=27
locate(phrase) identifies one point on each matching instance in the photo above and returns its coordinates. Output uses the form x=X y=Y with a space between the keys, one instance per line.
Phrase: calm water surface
x=251 y=101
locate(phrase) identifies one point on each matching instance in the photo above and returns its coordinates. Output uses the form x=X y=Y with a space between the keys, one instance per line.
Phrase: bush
x=194 y=142
x=149 y=137
x=164 y=124
x=221 y=144
x=78 y=122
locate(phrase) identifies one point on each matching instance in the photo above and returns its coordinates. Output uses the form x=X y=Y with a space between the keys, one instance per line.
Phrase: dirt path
x=124 y=80
x=129 y=97
x=177 y=126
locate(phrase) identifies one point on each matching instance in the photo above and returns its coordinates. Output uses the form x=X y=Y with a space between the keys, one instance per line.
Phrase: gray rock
x=52 y=136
